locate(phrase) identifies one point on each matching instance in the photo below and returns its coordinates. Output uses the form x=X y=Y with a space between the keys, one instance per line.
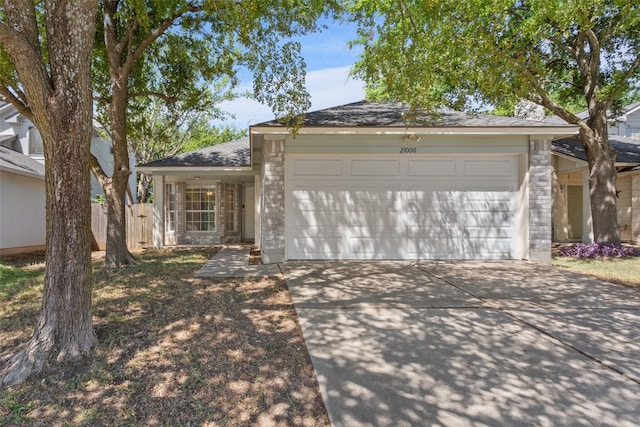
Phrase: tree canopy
x=460 y=53
x=463 y=55
x=175 y=50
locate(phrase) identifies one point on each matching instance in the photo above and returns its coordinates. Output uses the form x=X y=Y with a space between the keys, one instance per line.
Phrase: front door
x=574 y=200
x=249 y=209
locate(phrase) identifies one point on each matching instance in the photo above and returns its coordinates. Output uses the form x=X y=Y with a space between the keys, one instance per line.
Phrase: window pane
x=200 y=207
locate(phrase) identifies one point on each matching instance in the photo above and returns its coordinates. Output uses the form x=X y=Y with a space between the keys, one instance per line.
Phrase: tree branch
x=97 y=171
x=21 y=15
x=546 y=101
x=8 y=96
x=404 y=8
x=155 y=94
x=101 y=99
x=27 y=62
x=132 y=57
x=593 y=65
x=563 y=46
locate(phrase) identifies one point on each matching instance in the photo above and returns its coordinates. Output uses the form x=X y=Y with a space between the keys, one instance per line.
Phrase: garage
x=360 y=181
x=401 y=207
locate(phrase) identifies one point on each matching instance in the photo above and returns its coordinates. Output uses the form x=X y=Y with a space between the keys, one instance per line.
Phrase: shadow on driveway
x=468 y=343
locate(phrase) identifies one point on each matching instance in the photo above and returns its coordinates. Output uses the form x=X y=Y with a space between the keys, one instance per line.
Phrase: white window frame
x=200 y=212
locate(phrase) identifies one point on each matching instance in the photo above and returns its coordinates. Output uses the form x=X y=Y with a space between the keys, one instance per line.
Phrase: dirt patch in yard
x=174 y=350
x=255 y=256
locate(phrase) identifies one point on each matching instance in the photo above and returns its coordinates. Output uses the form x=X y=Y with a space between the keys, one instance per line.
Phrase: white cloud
x=328 y=87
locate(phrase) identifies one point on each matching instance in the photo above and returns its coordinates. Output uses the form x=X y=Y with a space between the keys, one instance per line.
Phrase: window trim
x=200 y=186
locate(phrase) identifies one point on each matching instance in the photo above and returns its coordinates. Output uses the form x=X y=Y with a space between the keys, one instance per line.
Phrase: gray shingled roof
x=229 y=154
x=375 y=114
x=627 y=149
x=584 y=115
x=15 y=162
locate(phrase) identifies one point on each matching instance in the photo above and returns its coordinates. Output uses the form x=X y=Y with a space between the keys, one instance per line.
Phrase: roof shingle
x=627 y=149
x=229 y=154
x=15 y=162
x=375 y=114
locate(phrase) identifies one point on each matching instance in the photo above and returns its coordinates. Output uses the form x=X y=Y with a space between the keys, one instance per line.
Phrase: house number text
x=408 y=150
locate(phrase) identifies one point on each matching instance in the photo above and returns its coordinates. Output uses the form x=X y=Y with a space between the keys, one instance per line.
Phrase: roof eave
x=22 y=172
x=168 y=170
x=556 y=131
x=567 y=156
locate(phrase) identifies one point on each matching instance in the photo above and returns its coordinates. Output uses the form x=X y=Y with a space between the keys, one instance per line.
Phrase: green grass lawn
x=618 y=270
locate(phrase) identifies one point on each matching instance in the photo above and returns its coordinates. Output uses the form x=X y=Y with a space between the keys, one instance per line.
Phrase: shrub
x=598 y=250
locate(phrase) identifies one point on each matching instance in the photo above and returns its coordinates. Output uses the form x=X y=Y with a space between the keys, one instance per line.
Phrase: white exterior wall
x=632 y=124
x=22 y=212
x=25 y=130
x=628 y=127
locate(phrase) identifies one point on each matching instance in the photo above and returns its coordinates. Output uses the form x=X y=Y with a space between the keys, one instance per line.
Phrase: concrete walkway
x=233 y=261
x=468 y=344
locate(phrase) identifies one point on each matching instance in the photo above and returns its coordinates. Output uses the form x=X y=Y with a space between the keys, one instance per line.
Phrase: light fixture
x=412 y=137
x=196 y=177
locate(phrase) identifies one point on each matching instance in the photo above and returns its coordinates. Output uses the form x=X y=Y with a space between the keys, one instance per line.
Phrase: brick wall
x=540 y=200
x=272 y=203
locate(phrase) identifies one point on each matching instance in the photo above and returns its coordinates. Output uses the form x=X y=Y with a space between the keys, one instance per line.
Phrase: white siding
x=22 y=211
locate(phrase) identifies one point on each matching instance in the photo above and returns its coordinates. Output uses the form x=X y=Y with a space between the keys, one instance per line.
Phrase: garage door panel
x=328 y=219
x=491 y=220
x=444 y=248
x=318 y=167
x=366 y=167
x=432 y=168
x=397 y=215
x=305 y=247
x=484 y=168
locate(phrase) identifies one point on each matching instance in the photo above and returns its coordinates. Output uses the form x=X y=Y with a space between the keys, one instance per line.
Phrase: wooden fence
x=139 y=219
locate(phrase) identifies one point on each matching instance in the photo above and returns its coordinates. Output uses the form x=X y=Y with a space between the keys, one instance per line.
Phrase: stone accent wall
x=635 y=210
x=540 y=200
x=272 y=202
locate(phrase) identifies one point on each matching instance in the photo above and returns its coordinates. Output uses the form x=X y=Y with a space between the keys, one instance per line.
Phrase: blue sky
x=329 y=61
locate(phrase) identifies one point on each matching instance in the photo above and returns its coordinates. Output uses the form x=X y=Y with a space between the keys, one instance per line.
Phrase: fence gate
x=139 y=226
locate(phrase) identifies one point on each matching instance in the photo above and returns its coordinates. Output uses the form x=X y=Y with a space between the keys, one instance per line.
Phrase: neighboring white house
x=22 y=202
x=572 y=209
x=29 y=143
x=22 y=187
x=357 y=183
x=627 y=124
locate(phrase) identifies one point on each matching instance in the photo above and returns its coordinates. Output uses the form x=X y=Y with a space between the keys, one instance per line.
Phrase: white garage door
x=358 y=207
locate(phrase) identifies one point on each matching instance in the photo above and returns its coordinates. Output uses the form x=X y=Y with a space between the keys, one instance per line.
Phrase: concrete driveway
x=469 y=344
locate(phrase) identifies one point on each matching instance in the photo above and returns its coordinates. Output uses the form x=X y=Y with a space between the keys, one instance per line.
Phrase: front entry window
x=200 y=206
x=229 y=203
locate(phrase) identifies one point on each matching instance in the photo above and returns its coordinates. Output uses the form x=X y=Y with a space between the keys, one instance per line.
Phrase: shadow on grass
x=176 y=350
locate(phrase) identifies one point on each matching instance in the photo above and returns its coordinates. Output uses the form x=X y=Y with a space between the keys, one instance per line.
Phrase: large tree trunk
x=61 y=108
x=117 y=254
x=602 y=180
x=65 y=329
